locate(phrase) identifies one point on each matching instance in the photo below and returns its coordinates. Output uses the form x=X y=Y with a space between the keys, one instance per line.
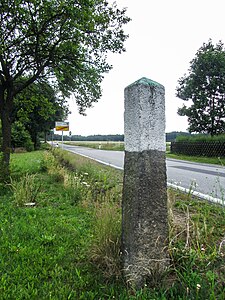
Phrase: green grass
x=67 y=246
x=42 y=248
x=46 y=249
x=200 y=159
x=22 y=163
x=40 y=252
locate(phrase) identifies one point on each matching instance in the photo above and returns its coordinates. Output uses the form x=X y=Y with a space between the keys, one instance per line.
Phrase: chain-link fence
x=210 y=149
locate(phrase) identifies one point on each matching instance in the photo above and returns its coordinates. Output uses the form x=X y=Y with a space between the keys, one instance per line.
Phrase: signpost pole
x=63 y=126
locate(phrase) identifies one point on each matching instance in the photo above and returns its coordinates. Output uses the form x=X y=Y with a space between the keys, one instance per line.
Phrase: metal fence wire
x=209 y=149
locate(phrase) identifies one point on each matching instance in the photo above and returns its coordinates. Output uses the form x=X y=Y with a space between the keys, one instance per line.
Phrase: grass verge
x=115 y=146
x=68 y=245
x=199 y=159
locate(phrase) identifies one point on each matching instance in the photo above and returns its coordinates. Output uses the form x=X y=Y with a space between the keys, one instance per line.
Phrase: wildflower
x=86 y=174
x=202 y=248
x=198 y=286
x=85 y=183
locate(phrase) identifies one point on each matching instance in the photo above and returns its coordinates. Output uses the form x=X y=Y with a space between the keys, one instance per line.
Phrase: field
x=61 y=228
x=103 y=145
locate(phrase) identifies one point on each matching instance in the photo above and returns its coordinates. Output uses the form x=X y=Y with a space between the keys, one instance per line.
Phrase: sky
x=164 y=36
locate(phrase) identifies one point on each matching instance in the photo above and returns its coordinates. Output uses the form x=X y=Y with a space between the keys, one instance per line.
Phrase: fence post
x=144 y=204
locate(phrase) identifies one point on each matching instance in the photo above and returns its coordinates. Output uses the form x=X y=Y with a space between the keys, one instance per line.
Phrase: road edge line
x=197 y=194
x=98 y=160
x=174 y=186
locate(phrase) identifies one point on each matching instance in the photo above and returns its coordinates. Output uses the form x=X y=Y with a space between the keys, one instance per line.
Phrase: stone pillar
x=144 y=204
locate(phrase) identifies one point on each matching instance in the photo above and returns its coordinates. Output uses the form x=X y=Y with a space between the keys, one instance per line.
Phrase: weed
x=76 y=190
x=106 y=243
x=47 y=240
x=26 y=190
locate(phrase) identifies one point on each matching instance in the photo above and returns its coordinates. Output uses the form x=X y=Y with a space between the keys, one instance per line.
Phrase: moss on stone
x=146 y=81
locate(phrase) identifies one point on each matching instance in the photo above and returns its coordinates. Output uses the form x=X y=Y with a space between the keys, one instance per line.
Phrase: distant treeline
x=171 y=136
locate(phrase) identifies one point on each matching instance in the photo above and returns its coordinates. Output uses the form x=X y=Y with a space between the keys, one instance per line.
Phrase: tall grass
x=103 y=186
x=26 y=190
x=102 y=181
x=105 y=250
x=196 y=231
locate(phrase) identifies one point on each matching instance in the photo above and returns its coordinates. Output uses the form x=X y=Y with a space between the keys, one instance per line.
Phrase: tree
x=205 y=87
x=38 y=107
x=21 y=137
x=65 y=41
x=0 y=135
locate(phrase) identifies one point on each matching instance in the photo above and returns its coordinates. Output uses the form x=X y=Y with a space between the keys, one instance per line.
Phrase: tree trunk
x=34 y=139
x=6 y=100
x=45 y=136
x=212 y=114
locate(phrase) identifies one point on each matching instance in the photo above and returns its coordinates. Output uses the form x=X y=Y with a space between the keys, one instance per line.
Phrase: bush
x=21 y=137
x=200 y=138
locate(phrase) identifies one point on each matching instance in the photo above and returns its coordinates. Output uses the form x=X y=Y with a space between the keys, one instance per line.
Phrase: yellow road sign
x=62 y=126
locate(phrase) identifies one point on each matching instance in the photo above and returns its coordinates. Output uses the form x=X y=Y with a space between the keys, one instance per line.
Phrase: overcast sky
x=164 y=37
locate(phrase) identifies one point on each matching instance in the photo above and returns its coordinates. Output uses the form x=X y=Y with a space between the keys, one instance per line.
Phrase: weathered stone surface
x=144 y=119
x=144 y=205
x=145 y=227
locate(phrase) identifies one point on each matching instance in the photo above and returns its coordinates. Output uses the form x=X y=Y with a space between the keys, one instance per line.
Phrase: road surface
x=205 y=180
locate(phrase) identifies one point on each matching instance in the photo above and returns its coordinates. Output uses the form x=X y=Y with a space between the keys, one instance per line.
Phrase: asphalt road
x=205 y=180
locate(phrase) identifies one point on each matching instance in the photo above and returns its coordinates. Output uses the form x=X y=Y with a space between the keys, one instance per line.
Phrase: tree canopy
x=21 y=137
x=37 y=107
x=65 y=41
x=204 y=85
